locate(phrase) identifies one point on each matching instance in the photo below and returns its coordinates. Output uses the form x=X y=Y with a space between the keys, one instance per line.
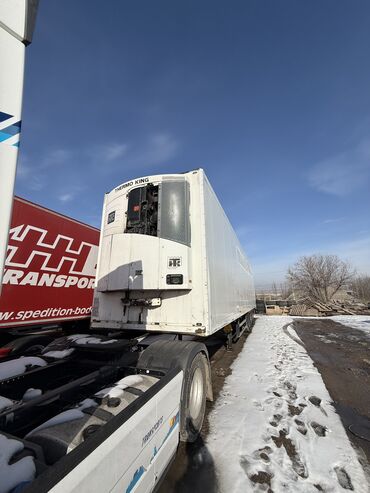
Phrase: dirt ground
x=193 y=470
x=342 y=355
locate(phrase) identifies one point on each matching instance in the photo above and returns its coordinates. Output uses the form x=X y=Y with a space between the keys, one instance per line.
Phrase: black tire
x=193 y=399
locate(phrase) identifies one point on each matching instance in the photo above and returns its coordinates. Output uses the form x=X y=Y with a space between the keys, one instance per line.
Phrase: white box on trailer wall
x=169 y=259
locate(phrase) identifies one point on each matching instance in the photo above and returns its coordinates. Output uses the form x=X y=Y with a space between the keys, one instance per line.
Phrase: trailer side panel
x=230 y=281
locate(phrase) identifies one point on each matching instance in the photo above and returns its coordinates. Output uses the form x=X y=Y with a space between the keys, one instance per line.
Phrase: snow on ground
x=361 y=322
x=274 y=426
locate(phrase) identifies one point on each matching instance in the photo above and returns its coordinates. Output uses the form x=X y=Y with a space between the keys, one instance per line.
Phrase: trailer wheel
x=192 y=358
x=193 y=399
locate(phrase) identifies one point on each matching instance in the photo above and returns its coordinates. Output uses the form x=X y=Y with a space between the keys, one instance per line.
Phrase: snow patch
x=87 y=403
x=118 y=388
x=59 y=354
x=20 y=365
x=66 y=416
x=31 y=394
x=5 y=402
x=129 y=381
x=274 y=426
x=109 y=392
x=94 y=340
x=63 y=417
x=14 y=474
x=360 y=322
x=75 y=337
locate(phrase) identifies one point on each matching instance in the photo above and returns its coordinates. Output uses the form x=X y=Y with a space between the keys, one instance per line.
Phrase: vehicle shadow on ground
x=193 y=470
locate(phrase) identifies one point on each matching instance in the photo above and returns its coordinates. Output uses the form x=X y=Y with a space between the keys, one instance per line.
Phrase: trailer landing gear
x=236 y=329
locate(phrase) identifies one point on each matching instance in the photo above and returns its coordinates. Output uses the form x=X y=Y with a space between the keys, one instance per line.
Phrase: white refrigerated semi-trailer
x=111 y=406
x=169 y=259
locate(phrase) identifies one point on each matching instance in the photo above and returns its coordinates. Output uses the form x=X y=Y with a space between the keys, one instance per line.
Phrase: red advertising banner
x=50 y=267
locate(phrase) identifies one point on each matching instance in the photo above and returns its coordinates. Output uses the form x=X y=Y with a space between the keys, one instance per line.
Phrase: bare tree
x=361 y=287
x=274 y=289
x=319 y=277
x=286 y=290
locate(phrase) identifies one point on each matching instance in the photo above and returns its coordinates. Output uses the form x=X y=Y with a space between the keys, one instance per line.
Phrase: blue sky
x=271 y=98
